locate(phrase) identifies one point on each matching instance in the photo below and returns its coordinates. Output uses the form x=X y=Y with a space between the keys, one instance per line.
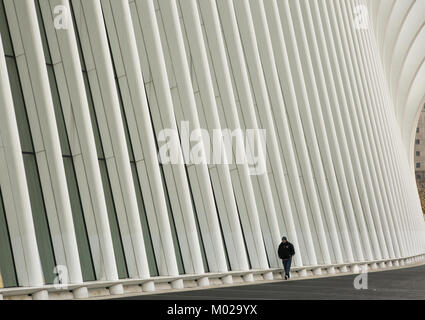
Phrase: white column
x=268 y=219
x=396 y=197
x=344 y=97
x=187 y=98
x=361 y=169
x=265 y=45
x=291 y=113
x=72 y=65
x=314 y=129
x=284 y=131
x=103 y=62
x=377 y=204
x=223 y=170
x=387 y=182
x=27 y=17
x=200 y=60
x=137 y=88
x=237 y=59
x=15 y=164
x=399 y=163
x=335 y=125
x=155 y=54
x=322 y=118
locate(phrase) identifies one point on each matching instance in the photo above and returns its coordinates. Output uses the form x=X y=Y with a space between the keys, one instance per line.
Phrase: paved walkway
x=408 y=283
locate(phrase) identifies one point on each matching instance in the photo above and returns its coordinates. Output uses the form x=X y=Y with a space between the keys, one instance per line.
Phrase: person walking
x=286 y=251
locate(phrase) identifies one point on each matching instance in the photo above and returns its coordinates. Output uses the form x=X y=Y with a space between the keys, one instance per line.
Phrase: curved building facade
x=92 y=90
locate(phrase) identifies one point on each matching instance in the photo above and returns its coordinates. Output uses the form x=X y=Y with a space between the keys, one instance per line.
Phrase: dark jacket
x=286 y=250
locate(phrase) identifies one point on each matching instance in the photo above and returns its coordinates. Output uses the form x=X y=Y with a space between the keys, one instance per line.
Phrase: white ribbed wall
x=339 y=105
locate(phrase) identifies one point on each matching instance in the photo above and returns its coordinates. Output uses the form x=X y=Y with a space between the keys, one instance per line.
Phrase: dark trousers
x=287 y=266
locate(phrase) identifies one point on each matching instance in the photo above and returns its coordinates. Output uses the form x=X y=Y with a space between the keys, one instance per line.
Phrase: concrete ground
x=398 y=284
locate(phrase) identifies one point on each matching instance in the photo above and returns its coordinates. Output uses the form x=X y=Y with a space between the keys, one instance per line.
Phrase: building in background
x=420 y=157
x=87 y=88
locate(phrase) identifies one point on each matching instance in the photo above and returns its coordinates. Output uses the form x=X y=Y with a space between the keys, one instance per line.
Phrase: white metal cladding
x=338 y=86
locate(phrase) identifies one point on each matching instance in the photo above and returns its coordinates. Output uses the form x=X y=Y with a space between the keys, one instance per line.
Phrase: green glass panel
x=7 y=265
x=41 y=225
x=5 y=33
x=243 y=235
x=222 y=233
x=124 y=119
x=83 y=244
x=79 y=222
x=93 y=118
x=113 y=223
x=43 y=33
x=153 y=270
x=19 y=104
x=77 y=27
x=198 y=230
x=174 y=235
x=60 y=121
x=177 y=250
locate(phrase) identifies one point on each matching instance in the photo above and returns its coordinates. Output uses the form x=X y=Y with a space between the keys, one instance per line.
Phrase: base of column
x=343 y=269
x=116 y=290
x=268 y=276
x=81 y=293
x=248 y=277
x=148 y=286
x=355 y=268
x=204 y=282
x=331 y=270
x=374 y=266
x=177 y=284
x=303 y=273
x=227 y=280
x=41 y=295
x=317 y=271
